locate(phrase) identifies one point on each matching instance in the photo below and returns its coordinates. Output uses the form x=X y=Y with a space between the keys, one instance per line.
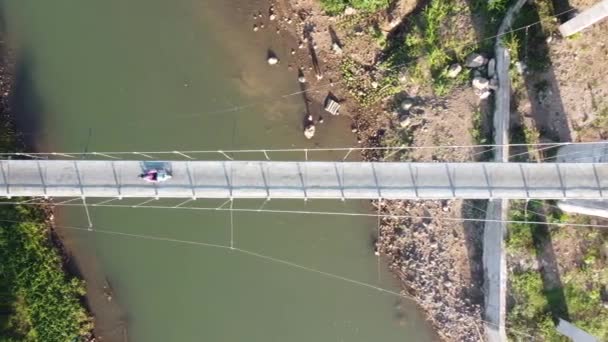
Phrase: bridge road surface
x=269 y=179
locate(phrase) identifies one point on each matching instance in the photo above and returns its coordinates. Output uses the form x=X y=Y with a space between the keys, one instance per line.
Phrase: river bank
x=348 y=56
x=39 y=299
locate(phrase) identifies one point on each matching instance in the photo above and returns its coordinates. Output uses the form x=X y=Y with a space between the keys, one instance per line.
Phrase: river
x=151 y=75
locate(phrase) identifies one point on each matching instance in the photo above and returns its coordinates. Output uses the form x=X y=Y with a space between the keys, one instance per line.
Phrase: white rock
x=481 y=83
x=404 y=121
x=350 y=11
x=491 y=67
x=272 y=17
x=407 y=104
x=309 y=131
x=336 y=48
x=302 y=79
x=374 y=84
x=273 y=60
x=454 y=70
x=475 y=60
x=485 y=94
x=255 y=28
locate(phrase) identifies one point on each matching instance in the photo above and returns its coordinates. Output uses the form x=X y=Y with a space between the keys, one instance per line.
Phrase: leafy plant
x=44 y=303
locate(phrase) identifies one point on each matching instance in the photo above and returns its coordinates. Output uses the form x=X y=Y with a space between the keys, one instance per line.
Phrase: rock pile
x=426 y=254
x=485 y=74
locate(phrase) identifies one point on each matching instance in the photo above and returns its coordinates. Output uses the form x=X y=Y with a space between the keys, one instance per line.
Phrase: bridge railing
x=541 y=152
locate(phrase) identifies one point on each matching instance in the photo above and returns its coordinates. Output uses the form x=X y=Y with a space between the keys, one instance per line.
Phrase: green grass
x=41 y=303
x=520 y=237
x=429 y=47
x=530 y=314
x=335 y=7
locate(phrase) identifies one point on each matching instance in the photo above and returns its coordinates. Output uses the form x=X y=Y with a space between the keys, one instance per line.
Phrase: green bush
x=44 y=303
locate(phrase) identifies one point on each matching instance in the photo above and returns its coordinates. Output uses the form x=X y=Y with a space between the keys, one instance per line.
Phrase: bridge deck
x=267 y=179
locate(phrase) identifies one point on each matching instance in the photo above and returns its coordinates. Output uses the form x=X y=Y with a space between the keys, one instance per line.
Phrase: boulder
x=273 y=60
x=491 y=67
x=454 y=70
x=309 y=131
x=302 y=79
x=484 y=94
x=493 y=83
x=481 y=83
x=475 y=60
x=272 y=17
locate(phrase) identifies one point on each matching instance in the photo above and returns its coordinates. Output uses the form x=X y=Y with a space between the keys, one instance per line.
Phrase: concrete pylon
x=585 y=19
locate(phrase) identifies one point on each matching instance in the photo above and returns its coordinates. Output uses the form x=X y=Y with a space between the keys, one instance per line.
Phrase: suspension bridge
x=304 y=179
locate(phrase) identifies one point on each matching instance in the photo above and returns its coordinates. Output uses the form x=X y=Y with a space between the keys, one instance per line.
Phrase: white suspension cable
x=321 y=213
x=187 y=153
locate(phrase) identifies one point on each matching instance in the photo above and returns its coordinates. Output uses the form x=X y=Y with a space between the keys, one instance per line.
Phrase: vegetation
x=334 y=7
x=37 y=302
x=429 y=47
x=367 y=91
x=535 y=304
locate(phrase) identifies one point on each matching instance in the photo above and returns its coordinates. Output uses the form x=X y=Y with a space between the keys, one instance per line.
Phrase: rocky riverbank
x=437 y=258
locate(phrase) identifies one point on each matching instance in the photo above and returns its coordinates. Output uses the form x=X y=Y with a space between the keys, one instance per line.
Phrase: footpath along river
x=153 y=75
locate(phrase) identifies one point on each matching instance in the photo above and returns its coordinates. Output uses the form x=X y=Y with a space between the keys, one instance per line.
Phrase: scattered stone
x=300 y=45
x=485 y=94
x=273 y=60
x=309 y=131
x=272 y=17
x=375 y=84
x=481 y=83
x=302 y=79
x=404 y=121
x=454 y=70
x=321 y=119
x=475 y=60
x=261 y=25
x=336 y=48
x=350 y=11
x=255 y=28
x=407 y=104
x=293 y=51
x=491 y=67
